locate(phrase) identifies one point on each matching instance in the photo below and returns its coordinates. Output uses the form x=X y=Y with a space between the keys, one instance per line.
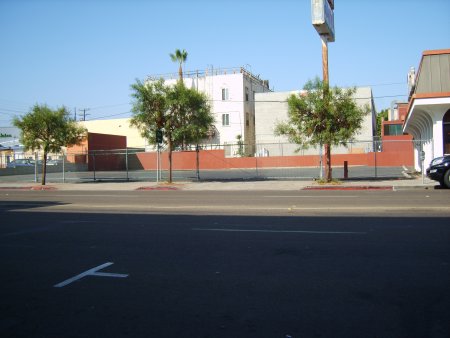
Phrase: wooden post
x=324 y=38
x=325 y=58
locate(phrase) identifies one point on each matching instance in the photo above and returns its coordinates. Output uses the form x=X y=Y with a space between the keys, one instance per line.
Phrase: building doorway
x=446 y=132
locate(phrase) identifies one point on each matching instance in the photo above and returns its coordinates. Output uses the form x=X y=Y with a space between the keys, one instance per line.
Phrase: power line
x=102 y=117
x=384 y=84
x=109 y=106
x=84 y=112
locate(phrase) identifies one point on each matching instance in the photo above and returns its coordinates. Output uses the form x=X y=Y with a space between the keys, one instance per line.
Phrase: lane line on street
x=285 y=231
x=24 y=232
x=76 y=221
x=120 y=208
x=324 y=196
x=92 y=272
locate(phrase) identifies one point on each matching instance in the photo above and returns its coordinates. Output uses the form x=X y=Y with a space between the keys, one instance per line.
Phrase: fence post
x=375 y=157
x=197 y=150
x=320 y=161
x=422 y=159
x=157 y=164
x=126 y=162
x=63 y=167
x=93 y=162
x=36 y=166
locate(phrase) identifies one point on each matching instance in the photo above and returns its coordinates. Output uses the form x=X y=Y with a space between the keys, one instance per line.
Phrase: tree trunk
x=328 y=170
x=197 y=150
x=180 y=73
x=44 y=168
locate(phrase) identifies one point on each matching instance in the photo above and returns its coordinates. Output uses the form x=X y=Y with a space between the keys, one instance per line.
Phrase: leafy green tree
x=182 y=115
x=193 y=115
x=48 y=130
x=382 y=116
x=180 y=56
x=322 y=115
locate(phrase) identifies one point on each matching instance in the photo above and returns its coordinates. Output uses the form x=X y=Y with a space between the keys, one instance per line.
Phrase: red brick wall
x=97 y=142
x=401 y=154
x=106 y=141
x=402 y=111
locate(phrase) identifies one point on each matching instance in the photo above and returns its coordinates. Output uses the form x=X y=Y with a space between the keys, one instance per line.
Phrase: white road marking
x=124 y=208
x=322 y=196
x=283 y=231
x=24 y=232
x=75 y=222
x=91 y=272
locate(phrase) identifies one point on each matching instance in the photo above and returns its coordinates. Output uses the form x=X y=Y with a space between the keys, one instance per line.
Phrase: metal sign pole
x=36 y=167
x=197 y=150
x=423 y=175
x=126 y=162
x=157 y=164
x=422 y=160
x=160 y=165
x=93 y=157
x=321 y=161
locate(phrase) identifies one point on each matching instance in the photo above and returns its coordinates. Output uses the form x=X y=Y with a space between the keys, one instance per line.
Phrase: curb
x=157 y=188
x=360 y=187
x=35 y=188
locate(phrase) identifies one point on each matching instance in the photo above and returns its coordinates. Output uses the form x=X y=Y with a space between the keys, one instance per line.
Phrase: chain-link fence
x=368 y=160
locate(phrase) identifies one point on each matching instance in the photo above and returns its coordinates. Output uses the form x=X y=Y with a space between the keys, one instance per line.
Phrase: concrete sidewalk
x=375 y=184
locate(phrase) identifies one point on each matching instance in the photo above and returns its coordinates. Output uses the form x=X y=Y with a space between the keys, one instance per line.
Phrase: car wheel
x=447 y=178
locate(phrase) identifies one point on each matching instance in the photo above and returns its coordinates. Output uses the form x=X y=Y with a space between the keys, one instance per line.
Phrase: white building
x=232 y=98
x=428 y=116
x=272 y=108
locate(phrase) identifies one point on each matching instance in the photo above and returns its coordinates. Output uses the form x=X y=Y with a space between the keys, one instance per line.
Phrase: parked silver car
x=20 y=162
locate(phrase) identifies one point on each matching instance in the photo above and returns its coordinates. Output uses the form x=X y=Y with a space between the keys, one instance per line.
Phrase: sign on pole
x=322 y=14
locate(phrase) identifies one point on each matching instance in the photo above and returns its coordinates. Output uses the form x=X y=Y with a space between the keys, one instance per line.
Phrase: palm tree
x=180 y=57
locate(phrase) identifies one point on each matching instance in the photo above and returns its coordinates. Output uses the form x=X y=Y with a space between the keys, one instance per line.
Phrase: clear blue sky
x=86 y=54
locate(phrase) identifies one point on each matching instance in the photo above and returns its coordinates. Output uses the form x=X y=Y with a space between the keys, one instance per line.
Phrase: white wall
x=363 y=97
x=272 y=108
x=236 y=106
x=424 y=122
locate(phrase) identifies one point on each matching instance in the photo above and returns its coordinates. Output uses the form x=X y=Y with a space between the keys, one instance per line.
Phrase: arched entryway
x=446 y=132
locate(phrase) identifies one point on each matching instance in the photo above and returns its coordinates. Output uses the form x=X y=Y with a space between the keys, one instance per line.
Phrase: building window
x=225 y=119
x=246 y=93
x=393 y=129
x=224 y=94
x=247 y=119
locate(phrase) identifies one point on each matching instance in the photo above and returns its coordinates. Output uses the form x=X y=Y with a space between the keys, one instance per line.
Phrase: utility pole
x=84 y=113
x=322 y=12
x=326 y=82
x=324 y=39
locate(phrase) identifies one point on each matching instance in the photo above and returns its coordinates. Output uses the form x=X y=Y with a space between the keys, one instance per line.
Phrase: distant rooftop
x=433 y=75
x=210 y=72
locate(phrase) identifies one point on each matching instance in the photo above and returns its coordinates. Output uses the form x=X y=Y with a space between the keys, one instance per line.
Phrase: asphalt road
x=225 y=264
